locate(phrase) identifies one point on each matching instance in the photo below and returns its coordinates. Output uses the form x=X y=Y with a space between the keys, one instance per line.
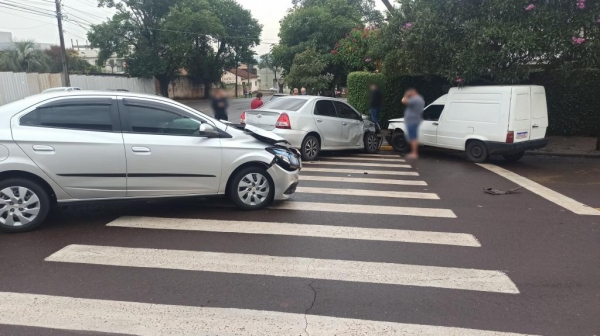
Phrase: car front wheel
x=477 y=151
x=371 y=143
x=252 y=188
x=399 y=142
x=24 y=205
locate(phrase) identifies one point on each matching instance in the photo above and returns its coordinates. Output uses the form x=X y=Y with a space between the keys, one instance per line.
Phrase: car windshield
x=286 y=104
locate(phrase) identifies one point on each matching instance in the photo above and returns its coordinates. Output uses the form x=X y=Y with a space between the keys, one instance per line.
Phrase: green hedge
x=573 y=100
x=358 y=89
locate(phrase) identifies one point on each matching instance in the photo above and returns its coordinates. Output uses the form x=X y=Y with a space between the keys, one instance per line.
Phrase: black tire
x=13 y=210
x=254 y=193
x=477 y=151
x=371 y=143
x=311 y=147
x=513 y=157
x=399 y=142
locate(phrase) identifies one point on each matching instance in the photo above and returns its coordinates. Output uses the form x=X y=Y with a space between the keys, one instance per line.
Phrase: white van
x=482 y=121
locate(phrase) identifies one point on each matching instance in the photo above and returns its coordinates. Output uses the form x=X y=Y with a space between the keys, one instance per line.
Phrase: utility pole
x=63 y=52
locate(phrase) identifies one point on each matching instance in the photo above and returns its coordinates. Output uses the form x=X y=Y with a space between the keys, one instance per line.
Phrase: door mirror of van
x=208 y=131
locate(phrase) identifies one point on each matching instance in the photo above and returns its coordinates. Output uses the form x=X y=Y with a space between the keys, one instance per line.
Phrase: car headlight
x=285 y=158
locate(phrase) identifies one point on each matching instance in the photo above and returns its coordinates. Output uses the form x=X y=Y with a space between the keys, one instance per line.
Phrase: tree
x=357 y=51
x=137 y=31
x=75 y=63
x=499 y=41
x=268 y=61
x=388 y=5
x=24 y=56
x=308 y=71
x=111 y=64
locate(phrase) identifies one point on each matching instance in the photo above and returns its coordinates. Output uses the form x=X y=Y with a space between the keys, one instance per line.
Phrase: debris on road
x=493 y=191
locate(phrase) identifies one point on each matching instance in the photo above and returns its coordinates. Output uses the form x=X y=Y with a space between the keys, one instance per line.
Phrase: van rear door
x=539 y=113
x=520 y=113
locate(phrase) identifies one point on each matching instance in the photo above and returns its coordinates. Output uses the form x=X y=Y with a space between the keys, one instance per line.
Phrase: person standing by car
x=376 y=103
x=303 y=91
x=295 y=92
x=413 y=115
x=257 y=102
x=219 y=105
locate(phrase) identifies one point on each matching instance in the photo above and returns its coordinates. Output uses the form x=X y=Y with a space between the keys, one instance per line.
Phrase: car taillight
x=283 y=121
x=510 y=137
x=243 y=118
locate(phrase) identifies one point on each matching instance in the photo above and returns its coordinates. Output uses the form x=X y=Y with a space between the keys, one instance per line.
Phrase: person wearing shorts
x=413 y=115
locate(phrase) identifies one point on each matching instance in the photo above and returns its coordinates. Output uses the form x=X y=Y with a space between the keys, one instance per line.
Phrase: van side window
x=433 y=112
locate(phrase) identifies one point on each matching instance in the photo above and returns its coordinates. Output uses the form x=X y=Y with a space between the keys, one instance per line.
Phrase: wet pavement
x=522 y=241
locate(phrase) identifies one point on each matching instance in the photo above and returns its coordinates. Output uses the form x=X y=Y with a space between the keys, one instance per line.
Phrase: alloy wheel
x=253 y=189
x=311 y=148
x=19 y=206
x=372 y=142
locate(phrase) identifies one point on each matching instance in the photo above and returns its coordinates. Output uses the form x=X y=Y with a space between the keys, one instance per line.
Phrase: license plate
x=522 y=135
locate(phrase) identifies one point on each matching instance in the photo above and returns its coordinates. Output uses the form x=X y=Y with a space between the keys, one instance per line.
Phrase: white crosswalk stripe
x=371 y=193
x=301 y=230
x=361 y=180
x=359 y=171
x=365 y=209
x=133 y=318
x=357 y=164
x=341 y=270
x=362 y=159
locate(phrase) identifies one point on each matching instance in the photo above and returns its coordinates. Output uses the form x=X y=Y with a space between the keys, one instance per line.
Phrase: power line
x=45 y=24
x=32 y=9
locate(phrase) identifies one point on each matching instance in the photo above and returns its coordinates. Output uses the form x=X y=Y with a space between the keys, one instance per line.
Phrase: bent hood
x=265 y=136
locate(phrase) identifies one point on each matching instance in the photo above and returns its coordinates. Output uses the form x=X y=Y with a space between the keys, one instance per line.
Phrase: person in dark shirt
x=219 y=105
x=257 y=102
x=376 y=103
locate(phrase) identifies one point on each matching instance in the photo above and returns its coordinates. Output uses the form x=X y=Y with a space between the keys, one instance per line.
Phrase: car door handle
x=319 y=120
x=141 y=150
x=535 y=126
x=43 y=149
x=345 y=124
x=435 y=124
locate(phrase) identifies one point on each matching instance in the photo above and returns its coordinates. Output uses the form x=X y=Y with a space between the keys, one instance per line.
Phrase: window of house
x=87 y=116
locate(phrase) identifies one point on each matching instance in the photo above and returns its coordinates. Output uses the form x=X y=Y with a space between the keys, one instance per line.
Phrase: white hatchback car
x=86 y=145
x=315 y=124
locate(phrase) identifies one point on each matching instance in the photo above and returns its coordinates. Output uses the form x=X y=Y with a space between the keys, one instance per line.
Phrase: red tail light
x=510 y=137
x=283 y=122
x=243 y=118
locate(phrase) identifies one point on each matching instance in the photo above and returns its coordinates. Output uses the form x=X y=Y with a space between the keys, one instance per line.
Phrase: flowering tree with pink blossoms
x=356 y=51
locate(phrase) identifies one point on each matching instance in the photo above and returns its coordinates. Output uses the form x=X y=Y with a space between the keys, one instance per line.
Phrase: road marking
x=547 y=193
x=361 y=158
x=357 y=164
x=136 y=318
x=301 y=230
x=365 y=209
x=359 y=171
x=377 y=155
x=361 y=180
x=326 y=269
x=372 y=193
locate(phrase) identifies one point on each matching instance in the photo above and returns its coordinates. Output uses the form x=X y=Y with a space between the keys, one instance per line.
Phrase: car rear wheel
x=513 y=157
x=477 y=151
x=252 y=188
x=310 y=148
x=371 y=143
x=399 y=142
x=24 y=205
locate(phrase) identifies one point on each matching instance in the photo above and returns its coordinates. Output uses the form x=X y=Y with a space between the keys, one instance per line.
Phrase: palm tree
x=24 y=56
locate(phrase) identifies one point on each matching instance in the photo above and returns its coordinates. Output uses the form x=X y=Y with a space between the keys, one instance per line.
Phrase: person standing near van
x=219 y=105
x=375 y=103
x=413 y=115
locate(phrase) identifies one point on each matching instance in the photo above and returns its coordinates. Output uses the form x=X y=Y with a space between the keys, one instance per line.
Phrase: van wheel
x=252 y=189
x=399 y=142
x=310 y=148
x=513 y=157
x=24 y=205
x=477 y=152
x=371 y=143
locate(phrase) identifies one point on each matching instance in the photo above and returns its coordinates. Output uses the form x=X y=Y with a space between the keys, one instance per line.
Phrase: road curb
x=386 y=148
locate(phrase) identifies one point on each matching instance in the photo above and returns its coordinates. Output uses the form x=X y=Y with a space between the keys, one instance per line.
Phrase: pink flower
x=334 y=52
x=459 y=80
x=578 y=40
x=530 y=7
x=408 y=25
x=598 y=20
x=581 y=5
x=368 y=60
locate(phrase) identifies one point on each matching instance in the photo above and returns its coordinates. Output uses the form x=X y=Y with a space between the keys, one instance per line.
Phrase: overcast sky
x=43 y=29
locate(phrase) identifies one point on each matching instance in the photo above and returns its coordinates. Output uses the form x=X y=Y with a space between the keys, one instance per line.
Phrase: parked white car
x=62 y=88
x=315 y=124
x=274 y=89
x=482 y=121
x=85 y=145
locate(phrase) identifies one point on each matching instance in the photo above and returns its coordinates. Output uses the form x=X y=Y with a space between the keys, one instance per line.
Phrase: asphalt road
x=516 y=263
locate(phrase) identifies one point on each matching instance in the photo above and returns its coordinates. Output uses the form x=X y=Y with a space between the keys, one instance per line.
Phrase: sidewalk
x=569 y=146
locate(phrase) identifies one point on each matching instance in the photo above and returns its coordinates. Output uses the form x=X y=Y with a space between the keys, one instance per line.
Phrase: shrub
x=358 y=89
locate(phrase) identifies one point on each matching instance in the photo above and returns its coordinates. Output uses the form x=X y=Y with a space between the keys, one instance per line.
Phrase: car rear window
x=286 y=104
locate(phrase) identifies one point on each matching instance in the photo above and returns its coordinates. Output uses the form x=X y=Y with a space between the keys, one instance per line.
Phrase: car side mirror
x=365 y=117
x=208 y=131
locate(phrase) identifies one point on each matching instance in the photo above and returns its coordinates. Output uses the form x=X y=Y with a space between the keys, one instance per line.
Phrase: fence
x=15 y=86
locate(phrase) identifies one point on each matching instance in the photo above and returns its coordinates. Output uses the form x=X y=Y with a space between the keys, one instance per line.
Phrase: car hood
x=265 y=136
x=396 y=120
